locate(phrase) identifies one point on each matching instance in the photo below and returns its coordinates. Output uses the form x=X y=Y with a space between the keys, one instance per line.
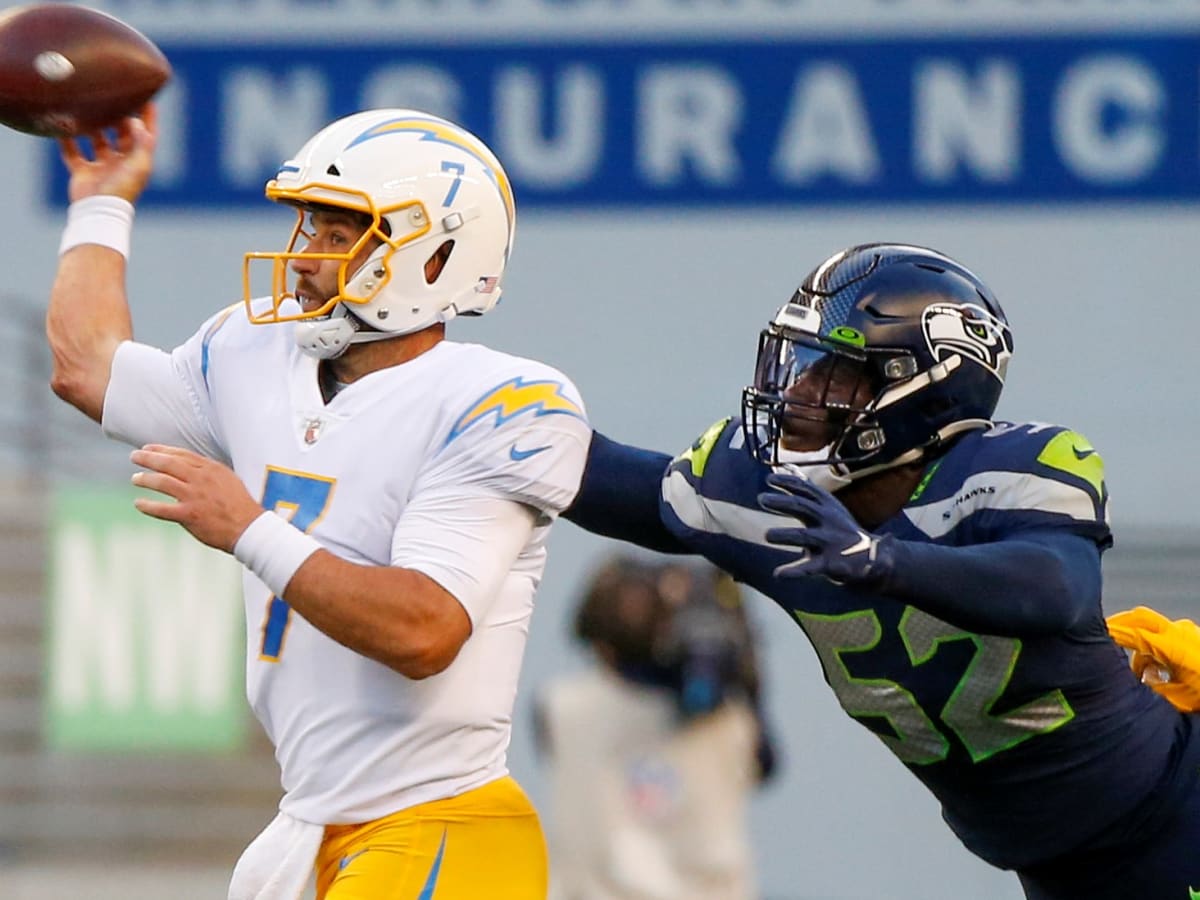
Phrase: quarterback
x=944 y=566
x=389 y=492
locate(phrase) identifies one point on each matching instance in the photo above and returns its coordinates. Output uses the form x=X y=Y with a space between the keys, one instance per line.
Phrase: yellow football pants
x=486 y=843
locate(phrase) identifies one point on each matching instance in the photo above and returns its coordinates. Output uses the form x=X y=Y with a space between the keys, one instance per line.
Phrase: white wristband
x=102 y=219
x=274 y=549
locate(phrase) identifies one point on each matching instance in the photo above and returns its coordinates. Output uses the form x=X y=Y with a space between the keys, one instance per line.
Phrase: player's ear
x=437 y=262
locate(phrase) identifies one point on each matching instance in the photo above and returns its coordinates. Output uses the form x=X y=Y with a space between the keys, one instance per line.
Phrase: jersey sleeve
x=159 y=397
x=524 y=438
x=466 y=544
x=508 y=463
x=619 y=495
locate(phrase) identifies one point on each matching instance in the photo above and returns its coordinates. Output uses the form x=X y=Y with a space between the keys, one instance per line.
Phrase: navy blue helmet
x=924 y=340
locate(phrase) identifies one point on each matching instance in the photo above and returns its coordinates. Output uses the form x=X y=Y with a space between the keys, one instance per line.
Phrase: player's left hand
x=1160 y=643
x=209 y=499
x=831 y=542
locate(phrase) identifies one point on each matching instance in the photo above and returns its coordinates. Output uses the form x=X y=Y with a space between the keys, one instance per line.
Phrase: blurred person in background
x=655 y=751
x=389 y=492
x=946 y=569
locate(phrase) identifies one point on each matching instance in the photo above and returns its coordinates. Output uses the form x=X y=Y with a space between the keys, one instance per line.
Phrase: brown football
x=66 y=70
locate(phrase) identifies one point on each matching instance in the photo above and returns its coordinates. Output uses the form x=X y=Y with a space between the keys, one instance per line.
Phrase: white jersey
x=379 y=475
x=644 y=806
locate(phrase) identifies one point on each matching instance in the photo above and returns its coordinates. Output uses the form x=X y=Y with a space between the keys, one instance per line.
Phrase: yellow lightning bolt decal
x=516 y=396
x=444 y=133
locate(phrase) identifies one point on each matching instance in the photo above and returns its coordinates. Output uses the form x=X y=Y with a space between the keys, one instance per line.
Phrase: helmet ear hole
x=437 y=262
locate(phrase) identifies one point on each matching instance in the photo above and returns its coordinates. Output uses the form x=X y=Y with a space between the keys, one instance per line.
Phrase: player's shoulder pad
x=713 y=487
x=694 y=459
x=230 y=331
x=1030 y=469
x=230 y=323
x=513 y=396
x=226 y=329
x=1049 y=451
x=718 y=464
x=517 y=428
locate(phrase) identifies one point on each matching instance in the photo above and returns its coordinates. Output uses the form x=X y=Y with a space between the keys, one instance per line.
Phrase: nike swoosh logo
x=431 y=881
x=1084 y=454
x=864 y=543
x=517 y=455
x=346 y=860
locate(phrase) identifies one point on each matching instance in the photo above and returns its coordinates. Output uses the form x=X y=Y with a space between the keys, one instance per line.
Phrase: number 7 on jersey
x=301 y=499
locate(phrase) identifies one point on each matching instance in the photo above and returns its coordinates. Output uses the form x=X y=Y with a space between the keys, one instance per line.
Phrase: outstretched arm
x=1042 y=583
x=89 y=313
x=619 y=495
x=1038 y=582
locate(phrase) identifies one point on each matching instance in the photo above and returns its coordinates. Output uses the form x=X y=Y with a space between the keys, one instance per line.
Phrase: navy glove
x=831 y=542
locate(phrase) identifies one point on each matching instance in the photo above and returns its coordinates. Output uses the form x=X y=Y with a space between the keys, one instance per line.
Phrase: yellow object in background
x=1166 y=653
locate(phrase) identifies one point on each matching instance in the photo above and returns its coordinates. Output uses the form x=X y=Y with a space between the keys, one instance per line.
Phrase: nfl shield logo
x=312 y=430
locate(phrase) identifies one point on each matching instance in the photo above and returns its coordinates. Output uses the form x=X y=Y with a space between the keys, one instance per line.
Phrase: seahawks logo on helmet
x=970 y=331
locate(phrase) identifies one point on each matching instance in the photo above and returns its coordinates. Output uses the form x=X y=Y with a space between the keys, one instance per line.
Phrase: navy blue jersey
x=1021 y=731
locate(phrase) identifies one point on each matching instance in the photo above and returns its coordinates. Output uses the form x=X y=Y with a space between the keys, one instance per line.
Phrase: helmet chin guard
x=324 y=338
x=814 y=466
x=330 y=337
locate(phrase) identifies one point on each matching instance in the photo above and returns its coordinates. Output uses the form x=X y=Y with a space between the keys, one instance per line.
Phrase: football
x=66 y=70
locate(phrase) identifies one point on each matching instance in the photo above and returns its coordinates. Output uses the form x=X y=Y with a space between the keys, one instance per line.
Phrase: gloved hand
x=831 y=542
x=1160 y=643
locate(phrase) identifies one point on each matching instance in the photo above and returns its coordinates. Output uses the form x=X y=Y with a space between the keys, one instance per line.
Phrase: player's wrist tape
x=273 y=549
x=102 y=219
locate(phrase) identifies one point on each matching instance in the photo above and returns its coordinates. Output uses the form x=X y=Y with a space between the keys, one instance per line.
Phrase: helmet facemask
x=351 y=289
x=812 y=403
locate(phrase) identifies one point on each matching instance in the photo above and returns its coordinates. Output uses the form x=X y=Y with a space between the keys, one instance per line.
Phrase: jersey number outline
x=968 y=713
x=302 y=498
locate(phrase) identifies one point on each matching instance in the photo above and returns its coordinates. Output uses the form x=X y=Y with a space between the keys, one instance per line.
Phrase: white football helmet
x=422 y=182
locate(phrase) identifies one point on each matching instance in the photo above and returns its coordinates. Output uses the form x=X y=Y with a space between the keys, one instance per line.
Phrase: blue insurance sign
x=754 y=121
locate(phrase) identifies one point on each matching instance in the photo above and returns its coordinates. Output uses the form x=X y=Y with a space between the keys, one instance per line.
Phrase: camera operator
x=654 y=752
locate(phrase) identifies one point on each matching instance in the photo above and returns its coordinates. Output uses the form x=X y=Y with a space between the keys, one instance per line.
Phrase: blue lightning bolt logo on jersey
x=514 y=397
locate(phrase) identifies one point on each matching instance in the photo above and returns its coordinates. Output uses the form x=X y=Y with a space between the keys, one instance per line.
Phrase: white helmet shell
x=422 y=181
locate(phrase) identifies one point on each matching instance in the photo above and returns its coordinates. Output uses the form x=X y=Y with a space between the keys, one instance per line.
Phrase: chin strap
x=329 y=338
x=813 y=466
x=826 y=477
x=324 y=338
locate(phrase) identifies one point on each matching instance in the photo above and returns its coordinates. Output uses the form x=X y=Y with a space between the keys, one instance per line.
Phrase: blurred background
x=679 y=166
